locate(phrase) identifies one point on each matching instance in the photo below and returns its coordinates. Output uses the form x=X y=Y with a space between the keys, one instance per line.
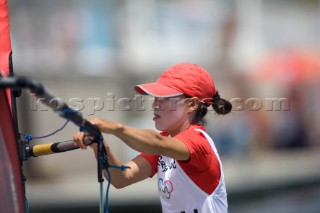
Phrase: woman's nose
x=155 y=104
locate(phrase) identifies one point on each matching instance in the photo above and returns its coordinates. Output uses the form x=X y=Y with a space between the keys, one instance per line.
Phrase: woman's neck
x=180 y=129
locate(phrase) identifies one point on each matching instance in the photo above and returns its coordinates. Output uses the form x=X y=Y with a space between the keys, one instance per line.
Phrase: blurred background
x=264 y=56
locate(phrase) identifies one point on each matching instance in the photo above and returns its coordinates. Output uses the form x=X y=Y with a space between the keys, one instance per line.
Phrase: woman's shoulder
x=195 y=140
x=191 y=131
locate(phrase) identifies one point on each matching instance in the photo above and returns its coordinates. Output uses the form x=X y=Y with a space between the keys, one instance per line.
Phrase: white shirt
x=179 y=194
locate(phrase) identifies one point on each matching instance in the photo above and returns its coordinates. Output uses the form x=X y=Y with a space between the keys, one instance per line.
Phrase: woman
x=190 y=176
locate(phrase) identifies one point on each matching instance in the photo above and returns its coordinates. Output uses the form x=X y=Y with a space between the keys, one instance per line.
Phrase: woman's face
x=169 y=113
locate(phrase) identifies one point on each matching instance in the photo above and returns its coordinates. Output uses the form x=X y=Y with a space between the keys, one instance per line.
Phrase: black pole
x=14 y=93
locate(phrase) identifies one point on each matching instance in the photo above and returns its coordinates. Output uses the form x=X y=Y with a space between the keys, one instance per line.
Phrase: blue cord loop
x=28 y=137
x=122 y=167
x=106 y=168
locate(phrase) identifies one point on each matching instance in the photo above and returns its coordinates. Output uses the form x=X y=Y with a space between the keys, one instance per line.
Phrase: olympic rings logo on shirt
x=165 y=187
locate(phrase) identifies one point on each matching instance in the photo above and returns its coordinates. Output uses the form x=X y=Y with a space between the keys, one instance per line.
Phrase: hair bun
x=220 y=105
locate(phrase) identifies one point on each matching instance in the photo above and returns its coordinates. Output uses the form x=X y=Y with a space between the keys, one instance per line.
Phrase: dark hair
x=220 y=106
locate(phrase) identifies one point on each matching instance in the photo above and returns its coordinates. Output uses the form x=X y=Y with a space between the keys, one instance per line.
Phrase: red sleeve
x=153 y=160
x=199 y=148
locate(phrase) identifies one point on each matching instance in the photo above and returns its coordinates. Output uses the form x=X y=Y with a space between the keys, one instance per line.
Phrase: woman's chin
x=160 y=127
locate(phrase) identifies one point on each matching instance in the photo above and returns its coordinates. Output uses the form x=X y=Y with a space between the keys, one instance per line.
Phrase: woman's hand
x=105 y=126
x=98 y=122
x=78 y=140
x=79 y=137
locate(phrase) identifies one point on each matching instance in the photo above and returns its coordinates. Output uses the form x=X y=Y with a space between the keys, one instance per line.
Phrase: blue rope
x=29 y=137
x=101 y=197
x=122 y=168
x=107 y=191
x=27 y=205
x=104 y=160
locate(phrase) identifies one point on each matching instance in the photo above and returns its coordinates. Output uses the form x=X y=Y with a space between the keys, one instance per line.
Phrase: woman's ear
x=193 y=104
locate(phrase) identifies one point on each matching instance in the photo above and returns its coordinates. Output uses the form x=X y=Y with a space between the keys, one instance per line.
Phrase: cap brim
x=157 y=90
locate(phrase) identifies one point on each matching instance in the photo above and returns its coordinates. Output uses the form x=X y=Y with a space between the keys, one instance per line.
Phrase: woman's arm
x=143 y=140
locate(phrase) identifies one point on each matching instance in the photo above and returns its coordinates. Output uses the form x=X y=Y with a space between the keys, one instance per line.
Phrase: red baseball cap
x=183 y=78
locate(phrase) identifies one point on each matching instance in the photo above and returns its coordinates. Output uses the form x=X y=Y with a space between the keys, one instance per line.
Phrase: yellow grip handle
x=44 y=149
